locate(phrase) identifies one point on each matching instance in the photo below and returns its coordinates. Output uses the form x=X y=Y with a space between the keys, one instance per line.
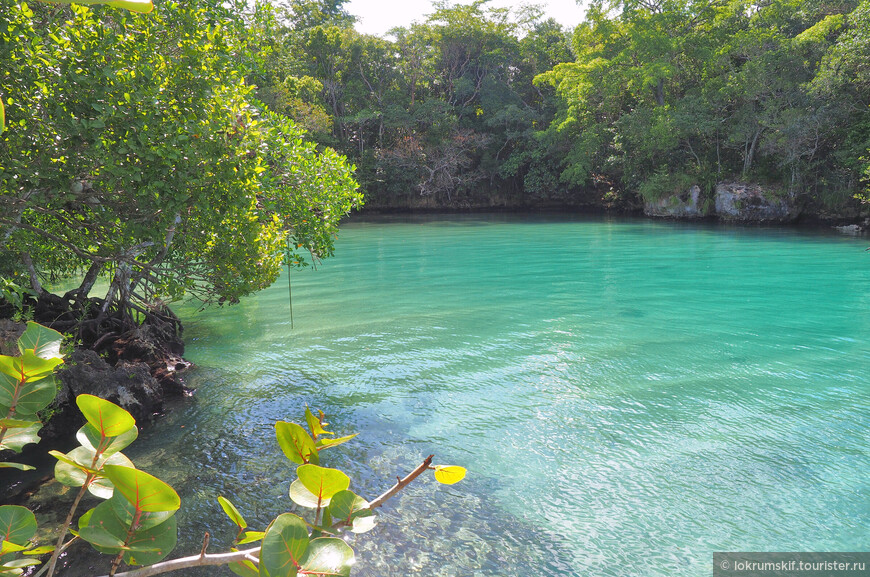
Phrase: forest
x=477 y=106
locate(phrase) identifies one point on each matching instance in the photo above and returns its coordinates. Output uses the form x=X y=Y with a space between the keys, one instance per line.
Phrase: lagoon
x=628 y=396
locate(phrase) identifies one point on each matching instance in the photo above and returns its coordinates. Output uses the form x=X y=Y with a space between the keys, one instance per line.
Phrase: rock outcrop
x=740 y=202
x=686 y=205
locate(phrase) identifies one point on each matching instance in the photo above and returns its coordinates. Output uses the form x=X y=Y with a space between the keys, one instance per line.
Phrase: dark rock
x=157 y=347
x=127 y=384
x=10 y=331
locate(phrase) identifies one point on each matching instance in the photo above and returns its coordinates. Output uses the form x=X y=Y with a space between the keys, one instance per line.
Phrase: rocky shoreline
x=139 y=369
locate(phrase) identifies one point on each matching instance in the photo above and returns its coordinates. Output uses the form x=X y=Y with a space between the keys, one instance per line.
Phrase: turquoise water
x=628 y=396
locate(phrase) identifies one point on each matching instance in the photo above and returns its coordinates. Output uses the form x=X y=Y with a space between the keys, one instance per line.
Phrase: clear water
x=628 y=396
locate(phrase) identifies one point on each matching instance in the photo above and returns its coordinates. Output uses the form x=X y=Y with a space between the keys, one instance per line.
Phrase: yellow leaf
x=449 y=474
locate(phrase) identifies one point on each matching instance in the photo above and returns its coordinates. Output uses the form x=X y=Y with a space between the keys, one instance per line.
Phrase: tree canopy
x=136 y=148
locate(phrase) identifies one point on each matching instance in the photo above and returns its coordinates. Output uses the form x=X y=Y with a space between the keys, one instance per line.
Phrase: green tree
x=134 y=149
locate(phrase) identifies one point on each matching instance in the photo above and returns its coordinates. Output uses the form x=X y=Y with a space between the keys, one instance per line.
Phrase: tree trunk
x=747 y=160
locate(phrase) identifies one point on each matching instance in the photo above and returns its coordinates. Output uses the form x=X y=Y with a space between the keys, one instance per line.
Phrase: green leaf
x=28 y=397
x=252 y=537
x=303 y=497
x=17 y=524
x=244 y=568
x=107 y=527
x=73 y=468
x=326 y=443
x=232 y=512
x=102 y=530
x=16 y=438
x=7 y=547
x=44 y=341
x=89 y=436
x=284 y=545
x=17 y=423
x=40 y=550
x=125 y=511
x=314 y=424
x=328 y=555
x=106 y=417
x=322 y=481
x=18 y=564
x=28 y=367
x=146 y=492
x=152 y=545
x=19 y=466
x=344 y=504
x=449 y=474
x=296 y=443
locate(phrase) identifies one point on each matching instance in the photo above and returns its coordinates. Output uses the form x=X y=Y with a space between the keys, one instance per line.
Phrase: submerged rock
x=686 y=205
x=740 y=202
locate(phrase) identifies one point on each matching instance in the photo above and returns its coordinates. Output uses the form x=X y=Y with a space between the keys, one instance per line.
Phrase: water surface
x=628 y=396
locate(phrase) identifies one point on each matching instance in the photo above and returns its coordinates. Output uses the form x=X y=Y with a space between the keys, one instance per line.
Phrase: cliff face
x=751 y=203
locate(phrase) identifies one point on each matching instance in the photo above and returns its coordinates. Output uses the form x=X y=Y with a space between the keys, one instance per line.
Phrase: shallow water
x=628 y=396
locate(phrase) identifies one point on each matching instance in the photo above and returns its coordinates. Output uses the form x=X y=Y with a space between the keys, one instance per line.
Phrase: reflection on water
x=627 y=396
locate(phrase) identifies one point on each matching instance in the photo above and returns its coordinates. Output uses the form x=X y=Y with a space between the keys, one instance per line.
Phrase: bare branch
x=402 y=483
x=197 y=560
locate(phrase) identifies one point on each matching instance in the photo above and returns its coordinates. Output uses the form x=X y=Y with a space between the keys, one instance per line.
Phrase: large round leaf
x=152 y=545
x=146 y=492
x=108 y=528
x=89 y=436
x=107 y=418
x=305 y=498
x=28 y=367
x=328 y=556
x=28 y=397
x=44 y=341
x=17 y=524
x=322 y=481
x=296 y=443
x=124 y=510
x=344 y=504
x=284 y=545
x=72 y=469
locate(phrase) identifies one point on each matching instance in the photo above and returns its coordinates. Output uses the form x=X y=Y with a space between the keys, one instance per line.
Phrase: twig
x=192 y=561
x=402 y=483
x=63 y=530
x=205 y=541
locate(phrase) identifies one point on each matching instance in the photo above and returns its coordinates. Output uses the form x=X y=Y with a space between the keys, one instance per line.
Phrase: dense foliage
x=479 y=106
x=135 y=148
